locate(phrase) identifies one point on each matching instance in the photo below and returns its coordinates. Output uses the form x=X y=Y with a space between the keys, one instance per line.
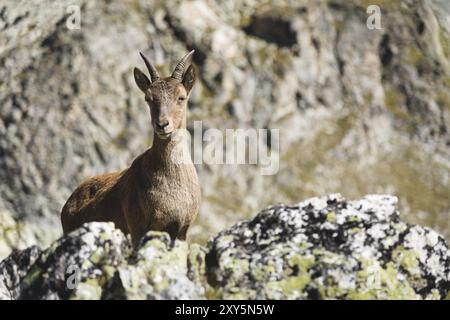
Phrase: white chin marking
x=164 y=136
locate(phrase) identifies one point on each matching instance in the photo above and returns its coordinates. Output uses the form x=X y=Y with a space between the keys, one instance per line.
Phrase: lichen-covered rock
x=321 y=248
x=158 y=269
x=97 y=262
x=329 y=247
x=77 y=265
x=13 y=269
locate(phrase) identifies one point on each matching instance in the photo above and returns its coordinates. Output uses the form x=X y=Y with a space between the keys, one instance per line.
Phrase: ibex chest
x=173 y=195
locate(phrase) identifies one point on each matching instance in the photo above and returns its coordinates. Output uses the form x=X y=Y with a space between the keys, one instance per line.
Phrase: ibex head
x=167 y=97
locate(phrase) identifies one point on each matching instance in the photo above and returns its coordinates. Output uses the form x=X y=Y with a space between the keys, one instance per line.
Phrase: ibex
x=160 y=190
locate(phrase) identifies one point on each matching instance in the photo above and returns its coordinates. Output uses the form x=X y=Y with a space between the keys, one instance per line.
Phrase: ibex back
x=160 y=190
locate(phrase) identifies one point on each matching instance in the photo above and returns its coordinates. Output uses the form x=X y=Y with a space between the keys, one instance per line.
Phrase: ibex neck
x=173 y=151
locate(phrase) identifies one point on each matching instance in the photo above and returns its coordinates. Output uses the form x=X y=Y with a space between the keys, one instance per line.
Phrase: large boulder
x=329 y=247
x=96 y=262
x=321 y=248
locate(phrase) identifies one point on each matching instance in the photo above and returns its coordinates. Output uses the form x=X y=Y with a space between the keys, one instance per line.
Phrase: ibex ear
x=141 y=80
x=189 y=78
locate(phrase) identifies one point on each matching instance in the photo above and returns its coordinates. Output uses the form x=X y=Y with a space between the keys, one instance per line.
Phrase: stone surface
x=322 y=248
x=329 y=248
x=96 y=262
x=14 y=269
x=359 y=111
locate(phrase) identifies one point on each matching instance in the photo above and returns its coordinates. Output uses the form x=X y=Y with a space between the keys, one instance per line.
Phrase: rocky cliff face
x=359 y=111
x=321 y=248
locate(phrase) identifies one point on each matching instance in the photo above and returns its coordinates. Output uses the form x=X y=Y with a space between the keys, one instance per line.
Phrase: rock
x=322 y=248
x=329 y=248
x=96 y=262
x=158 y=269
x=14 y=269
x=76 y=265
x=358 y=110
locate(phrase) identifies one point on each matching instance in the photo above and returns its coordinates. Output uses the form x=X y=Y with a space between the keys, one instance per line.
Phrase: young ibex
x=160 y=190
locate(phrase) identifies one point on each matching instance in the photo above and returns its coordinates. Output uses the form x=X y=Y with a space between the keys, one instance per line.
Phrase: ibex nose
x=162 y=124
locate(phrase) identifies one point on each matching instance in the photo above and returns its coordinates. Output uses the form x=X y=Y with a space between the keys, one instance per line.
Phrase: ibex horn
x=154 y=75
x=179 y=69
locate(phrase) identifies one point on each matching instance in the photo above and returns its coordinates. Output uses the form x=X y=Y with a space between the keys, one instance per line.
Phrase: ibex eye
x=181 y=99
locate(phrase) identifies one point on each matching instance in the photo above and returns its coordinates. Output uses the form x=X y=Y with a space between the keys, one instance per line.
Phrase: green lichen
x=330 y=288
x=394 y=101
x=94 y=258
x=238 y=267
x=291 y=286
x=88 y=290
x=448 y=296
x=354 y=219
x=196 y=263
x=414 y=56
x=331 y=217
x=32 y=276
x=236 y=293
x=408 y=259
x=354 y=230
x=444 y=39
x=301 y=262
x=262 y=272
x=108 y=271
x=212 y=293
x=443 y=98
x=380 y=282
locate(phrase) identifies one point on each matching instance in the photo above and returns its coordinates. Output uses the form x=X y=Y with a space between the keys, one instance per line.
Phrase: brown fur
x=160 y=190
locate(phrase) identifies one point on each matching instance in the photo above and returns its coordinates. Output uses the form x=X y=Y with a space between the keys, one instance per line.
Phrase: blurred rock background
x=359 y=111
